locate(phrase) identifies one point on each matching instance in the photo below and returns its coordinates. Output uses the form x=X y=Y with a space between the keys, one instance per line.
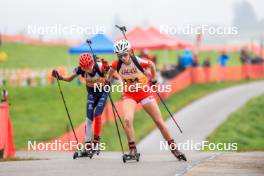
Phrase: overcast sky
x=18 y=14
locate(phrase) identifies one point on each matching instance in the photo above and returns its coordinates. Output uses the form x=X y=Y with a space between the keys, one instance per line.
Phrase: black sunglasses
x=122 y=55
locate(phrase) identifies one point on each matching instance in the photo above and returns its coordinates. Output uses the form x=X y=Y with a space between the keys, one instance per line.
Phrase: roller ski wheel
x=80 y=154
x=128 y=157
x=89 y=153
x=75 y=155
x=124 y=158
x=97 y=152
x=96 y=149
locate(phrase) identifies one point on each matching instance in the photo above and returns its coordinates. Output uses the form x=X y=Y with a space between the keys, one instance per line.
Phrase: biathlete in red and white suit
x=128 y=67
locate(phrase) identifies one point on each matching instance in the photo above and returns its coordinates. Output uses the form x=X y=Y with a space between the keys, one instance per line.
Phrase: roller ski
x=174 y=150
x=86 y=152
x=133 y=154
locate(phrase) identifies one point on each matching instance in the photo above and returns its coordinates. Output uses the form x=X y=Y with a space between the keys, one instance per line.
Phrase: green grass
x=34 y=56
x=244 y=127
x=39 y=56
x=38 y=113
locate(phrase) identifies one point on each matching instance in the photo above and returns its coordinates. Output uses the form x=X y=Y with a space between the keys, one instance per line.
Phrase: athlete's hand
x=106 y=66
x=107 y=82
x=154 y=85
x=153 y=82
x=56 y=74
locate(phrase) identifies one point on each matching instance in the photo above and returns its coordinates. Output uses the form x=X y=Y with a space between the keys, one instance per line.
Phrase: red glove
x=106 y=66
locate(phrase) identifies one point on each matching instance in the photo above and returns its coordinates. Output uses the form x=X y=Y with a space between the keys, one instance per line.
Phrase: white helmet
x=122 y=46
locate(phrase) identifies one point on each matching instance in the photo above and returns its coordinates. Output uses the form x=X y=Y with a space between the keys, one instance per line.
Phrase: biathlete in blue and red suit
x=94 y=73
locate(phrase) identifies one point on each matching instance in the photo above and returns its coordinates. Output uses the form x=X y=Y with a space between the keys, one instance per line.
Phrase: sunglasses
x=123 y=55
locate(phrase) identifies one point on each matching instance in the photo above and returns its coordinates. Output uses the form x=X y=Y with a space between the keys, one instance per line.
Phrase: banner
x=6 y=131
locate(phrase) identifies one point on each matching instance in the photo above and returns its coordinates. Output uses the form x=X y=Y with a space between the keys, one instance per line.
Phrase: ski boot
x=174 y=150
x=133 y=154
x=96 y=145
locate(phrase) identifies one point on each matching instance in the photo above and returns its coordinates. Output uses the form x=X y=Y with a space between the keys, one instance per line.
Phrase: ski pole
x=166 y=107
x=123 y=30
x=89 y=42
x=68 y=114
x=113 y=104
x=117 y=128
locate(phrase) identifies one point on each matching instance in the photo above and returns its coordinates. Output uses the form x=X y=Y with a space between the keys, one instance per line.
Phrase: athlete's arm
x=111 y=73
x=153 y=71
x=55 y=74
x=116 y=76
x=69 y=78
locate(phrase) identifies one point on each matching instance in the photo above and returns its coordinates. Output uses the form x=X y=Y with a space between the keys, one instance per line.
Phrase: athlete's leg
x=129 y=107
x=89 y=117
x=97 y=115
x=153 y=110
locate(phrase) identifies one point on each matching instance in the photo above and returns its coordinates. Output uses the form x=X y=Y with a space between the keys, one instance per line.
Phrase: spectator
x=181 y=65
x=257 y=60
x=207 y=62
x=145 y=54
x=5 y=96
x=223 y=58
x=206 y=66
x=195 y=62
x=187 y=58
x=244 y=57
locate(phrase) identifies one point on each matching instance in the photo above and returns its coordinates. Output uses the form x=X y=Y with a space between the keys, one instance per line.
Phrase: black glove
x=107 y=82
x=153 y=82
x=55 y=74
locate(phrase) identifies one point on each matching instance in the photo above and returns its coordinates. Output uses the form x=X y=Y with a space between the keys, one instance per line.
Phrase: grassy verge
x=244 y=127
x=38 y=113
x=39 y=56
